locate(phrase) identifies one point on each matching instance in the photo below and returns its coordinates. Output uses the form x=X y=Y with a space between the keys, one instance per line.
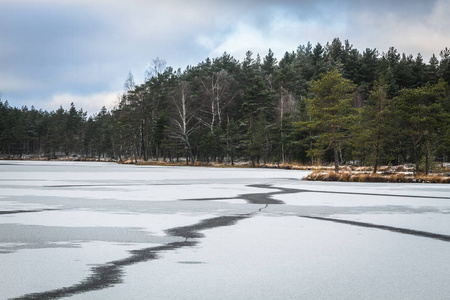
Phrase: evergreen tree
x=373 y=132
x=319 y=61
x=369 y=66
x=403 y=72
x=422 y=112
x=444 y=66
x=419 y=72
x=331 y=112
x=431 y=70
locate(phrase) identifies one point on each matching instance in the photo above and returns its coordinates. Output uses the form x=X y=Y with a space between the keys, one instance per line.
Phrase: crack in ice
x=442 y=237
x=109 y=274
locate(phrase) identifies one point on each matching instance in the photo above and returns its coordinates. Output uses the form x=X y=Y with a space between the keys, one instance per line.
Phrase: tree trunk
x=232 y=156
x=427 y=163
x=142 y=154
x=189 y=154
x=416 y=160
x=336 y=158
x=375 y=164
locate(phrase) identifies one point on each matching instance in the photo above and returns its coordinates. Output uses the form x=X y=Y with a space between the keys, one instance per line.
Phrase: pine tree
x=331 y=113
x=373 y=132
x=422 y=112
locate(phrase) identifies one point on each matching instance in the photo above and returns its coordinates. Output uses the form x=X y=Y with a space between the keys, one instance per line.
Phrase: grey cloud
x=87 y=47
x=44 y=41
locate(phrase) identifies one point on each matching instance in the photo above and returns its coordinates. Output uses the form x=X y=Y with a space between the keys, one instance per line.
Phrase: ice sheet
x=292 y=258
x=199 y=233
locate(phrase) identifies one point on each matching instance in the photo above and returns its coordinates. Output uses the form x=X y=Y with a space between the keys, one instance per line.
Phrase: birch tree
x=219 y=90
x=185 y=122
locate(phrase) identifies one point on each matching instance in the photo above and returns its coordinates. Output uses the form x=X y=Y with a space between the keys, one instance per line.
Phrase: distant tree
x=331 y=113
x=419 y=72
x=422 y=112
x=129 y=84
x=432 y=70
x=374 y=132
x=304 y=62
x=218 y=91
x=90 y=141
x=269 y=64
x=369 y=66
x=98 y=135
x=157 y=67
x=403 y=72
x=126 y=128
x=55 y=138
x=444 y=66
x=74 y=130
x=319 y=61
x=335 y=53
x=255 y=139
x=232 y=139
x=392 y=57
x=185 y=116
x=294 y=72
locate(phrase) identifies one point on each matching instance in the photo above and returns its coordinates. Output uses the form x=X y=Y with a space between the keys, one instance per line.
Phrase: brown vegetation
x=320 y=175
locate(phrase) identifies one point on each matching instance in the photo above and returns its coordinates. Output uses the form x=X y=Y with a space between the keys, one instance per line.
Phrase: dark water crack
x=109 y=274
x=267 y=198
x=11 y=212
x=193 y=231
x=442 y=237
x=257 y=198
x=110 y=185
x=375 y=194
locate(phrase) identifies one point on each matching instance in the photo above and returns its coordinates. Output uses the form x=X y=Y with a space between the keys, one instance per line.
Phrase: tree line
x=318 y=104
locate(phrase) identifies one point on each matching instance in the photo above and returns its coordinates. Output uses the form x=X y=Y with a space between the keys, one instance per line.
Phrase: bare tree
x=219 y=90
x=129 y=84
x=157 y=67
x=185 y=117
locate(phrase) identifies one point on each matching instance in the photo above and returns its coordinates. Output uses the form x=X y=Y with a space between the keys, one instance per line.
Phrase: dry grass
x=320 y=175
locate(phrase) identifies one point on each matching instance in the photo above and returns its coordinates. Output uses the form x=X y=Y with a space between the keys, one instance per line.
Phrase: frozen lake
x=108 y=231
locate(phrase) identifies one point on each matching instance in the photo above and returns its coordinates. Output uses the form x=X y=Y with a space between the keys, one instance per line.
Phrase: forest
x=322 y=104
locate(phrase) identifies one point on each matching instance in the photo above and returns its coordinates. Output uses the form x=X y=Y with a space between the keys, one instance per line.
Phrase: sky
x=54 y=52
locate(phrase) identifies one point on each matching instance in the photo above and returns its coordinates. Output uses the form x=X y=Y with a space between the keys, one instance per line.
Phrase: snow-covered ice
x=109 y=231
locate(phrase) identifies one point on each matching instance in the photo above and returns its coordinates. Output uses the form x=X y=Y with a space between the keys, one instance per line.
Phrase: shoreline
x=348 y=173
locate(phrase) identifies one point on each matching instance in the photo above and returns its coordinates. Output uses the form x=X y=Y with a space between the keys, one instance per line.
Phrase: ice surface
x=292 y=258
x=153 y=223
x=39 y=270
x=109 y=231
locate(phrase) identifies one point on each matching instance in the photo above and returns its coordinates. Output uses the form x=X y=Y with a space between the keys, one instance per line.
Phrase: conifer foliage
x=331 y=113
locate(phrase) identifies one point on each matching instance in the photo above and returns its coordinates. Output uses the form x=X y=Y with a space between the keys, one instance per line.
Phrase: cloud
x=91 y=103
x=52 y=48
x=75 y=46
x=282 y=31
x=416 y=27
x=426 y=33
